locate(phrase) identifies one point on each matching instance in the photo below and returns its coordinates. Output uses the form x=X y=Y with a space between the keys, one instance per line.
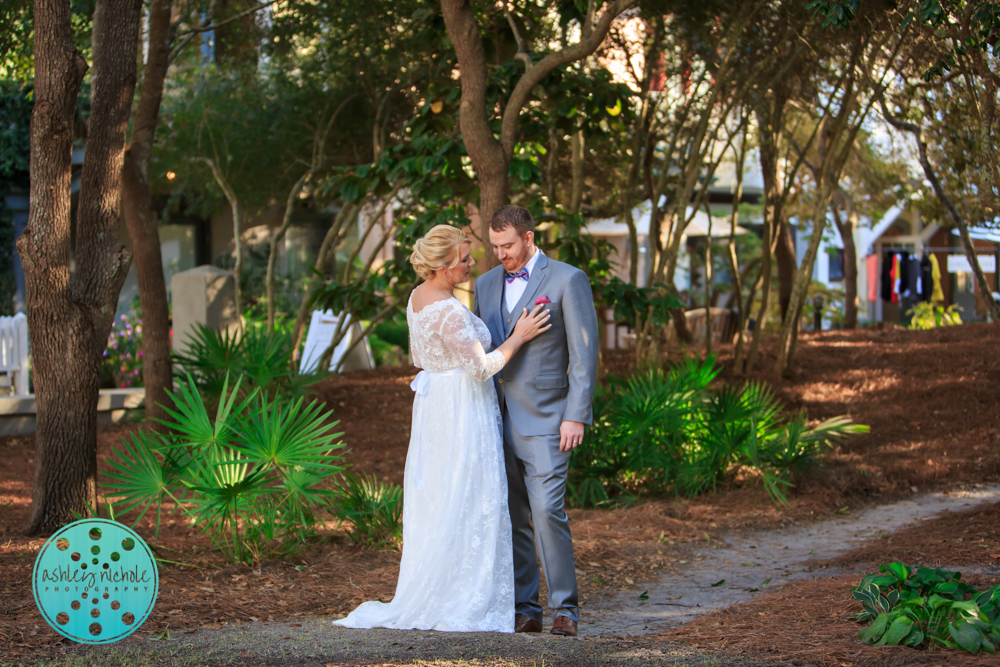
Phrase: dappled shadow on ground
x=927 y=396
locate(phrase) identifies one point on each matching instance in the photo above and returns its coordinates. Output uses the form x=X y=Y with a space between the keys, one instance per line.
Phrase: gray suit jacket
x=552 y=377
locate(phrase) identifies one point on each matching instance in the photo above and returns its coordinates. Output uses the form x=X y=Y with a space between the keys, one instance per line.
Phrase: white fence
x=14 y=354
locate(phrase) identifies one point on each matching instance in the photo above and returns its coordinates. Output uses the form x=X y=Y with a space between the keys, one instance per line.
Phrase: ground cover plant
x=663 y=431
x=261 y=357
x=929 y=315
x=927 y=607
x=250 y=478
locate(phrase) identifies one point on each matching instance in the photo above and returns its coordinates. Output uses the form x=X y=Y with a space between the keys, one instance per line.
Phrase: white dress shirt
x=513 y=291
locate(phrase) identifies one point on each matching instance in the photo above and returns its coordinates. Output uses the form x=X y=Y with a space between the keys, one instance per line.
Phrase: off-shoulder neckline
x=430 y=305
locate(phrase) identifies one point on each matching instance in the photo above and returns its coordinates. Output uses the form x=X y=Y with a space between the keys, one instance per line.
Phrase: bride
x=457 y=570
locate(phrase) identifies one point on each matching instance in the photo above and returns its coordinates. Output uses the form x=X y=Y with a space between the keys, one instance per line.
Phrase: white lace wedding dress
x=457 y=569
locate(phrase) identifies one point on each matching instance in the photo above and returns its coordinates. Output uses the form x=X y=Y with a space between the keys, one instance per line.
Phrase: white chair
x=14 y=354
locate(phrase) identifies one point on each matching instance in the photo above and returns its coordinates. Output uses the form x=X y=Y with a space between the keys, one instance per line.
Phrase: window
x=837 y=264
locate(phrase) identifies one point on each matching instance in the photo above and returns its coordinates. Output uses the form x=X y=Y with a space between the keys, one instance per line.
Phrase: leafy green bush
x=390 y=342
x=374 y=510
x=663 y=431
x=261 y=357
x=927 y=315
x=927 y=608
x=251 y=477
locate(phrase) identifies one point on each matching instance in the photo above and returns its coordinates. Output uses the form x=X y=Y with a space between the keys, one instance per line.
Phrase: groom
x=545 y=393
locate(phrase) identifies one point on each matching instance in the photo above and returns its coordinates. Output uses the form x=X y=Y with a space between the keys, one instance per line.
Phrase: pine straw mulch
x=805 y=623
x=928 y=397
x=958 y=538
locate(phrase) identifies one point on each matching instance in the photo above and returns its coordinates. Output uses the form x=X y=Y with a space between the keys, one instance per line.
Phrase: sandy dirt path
x=750 y=564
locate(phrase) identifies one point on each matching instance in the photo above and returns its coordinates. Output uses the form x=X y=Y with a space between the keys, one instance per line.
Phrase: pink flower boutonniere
x=542 y=300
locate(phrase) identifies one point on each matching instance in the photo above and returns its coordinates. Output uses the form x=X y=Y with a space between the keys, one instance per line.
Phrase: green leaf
x=875 y=631
x=644 y=596
x=915 y=638
x=899 y=630
x=966 y=636
x=897 y=569
x=138 y=476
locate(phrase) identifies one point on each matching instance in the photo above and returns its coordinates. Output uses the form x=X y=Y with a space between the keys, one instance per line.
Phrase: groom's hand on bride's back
x=570 y=435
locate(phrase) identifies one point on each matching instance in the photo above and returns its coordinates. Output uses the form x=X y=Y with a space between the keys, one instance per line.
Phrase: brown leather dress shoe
x=564 y=626
x=524 y=623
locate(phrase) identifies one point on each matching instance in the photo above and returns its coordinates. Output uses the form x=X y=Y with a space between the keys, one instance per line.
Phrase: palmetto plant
x=261 y=356
x=663 y=431
x=252 y=477
x=374 y=510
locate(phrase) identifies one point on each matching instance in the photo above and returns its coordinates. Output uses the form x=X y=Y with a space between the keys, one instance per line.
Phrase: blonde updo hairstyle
x=438 y=249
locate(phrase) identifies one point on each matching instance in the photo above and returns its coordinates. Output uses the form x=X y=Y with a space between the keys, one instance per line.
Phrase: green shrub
x=390 y=342
x=261 y=357
x=374 y=510
x=927 y=315
x=662 y=431
x=927 y=608
x=251 y=477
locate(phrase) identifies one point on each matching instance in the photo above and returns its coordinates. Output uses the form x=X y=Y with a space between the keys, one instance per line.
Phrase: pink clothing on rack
x=872 y=261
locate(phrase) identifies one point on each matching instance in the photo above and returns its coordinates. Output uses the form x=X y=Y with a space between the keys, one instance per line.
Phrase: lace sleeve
x=459 y=336
x=414 y=357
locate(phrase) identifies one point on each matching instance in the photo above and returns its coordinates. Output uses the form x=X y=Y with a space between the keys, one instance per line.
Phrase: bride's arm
x=459 y=335
x=414 y=358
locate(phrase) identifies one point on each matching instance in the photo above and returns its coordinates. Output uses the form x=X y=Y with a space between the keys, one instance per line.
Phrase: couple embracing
x=501 y=402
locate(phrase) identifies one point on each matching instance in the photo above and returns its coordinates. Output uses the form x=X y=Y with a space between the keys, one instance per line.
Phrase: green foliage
x=927 y=315
x=390 y=341
x=122 y=365
x=16 y=103
x=8 y=281
x=927 y=607
x=663 y=430
x=837 y=13
x=261 y=357
x=251 y=477
x=373 y=508
x=592 y=255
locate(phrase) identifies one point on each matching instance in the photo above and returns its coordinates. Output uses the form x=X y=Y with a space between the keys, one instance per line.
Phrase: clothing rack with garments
x=904 y=276
x=915 y=249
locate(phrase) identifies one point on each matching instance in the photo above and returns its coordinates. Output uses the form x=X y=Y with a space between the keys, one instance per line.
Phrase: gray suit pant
x=536 y=481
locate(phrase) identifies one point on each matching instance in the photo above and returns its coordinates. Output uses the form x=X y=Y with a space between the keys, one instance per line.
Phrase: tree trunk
x=787 y=261
x=482 y=146
x=70 y=317
x=770 y=113
x=491 y=158
x=137 y=206
x=577 y=144
x=846 y=224
x=801 y=287
x=234 y=207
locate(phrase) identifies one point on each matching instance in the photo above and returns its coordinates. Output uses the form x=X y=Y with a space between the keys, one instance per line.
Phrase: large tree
x=72 y=288
x=491 y=156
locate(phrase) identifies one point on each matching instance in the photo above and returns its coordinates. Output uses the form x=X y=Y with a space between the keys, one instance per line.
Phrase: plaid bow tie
x=511 y=277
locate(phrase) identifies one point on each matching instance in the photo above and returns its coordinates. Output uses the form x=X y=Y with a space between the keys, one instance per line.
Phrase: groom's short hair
x=515 y=216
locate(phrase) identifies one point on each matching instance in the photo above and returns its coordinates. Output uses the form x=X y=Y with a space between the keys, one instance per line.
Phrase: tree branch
x=589 y=41
x=205 y=27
